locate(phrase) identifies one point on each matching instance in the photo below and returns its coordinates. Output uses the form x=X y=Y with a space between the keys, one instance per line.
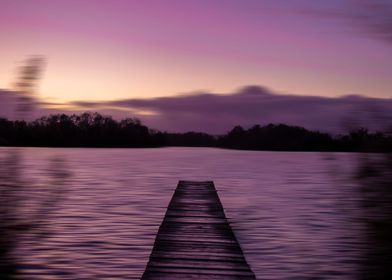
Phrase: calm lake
x=297 y=215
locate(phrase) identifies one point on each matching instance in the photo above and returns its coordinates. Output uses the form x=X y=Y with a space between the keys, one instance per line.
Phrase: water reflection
x=25 y=206
x=296 y=215
x=375 y=175
x=9 y=204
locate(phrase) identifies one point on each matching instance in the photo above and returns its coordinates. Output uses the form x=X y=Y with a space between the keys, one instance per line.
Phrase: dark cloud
x=370 y=17
x=10 y=106
x=7 y=103
x=217 y=113
x=375 y=16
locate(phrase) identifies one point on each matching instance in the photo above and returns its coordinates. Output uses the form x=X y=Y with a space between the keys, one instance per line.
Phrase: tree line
x=95 y=130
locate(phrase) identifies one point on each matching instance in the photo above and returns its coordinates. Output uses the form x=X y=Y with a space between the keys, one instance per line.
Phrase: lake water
x=296 y=215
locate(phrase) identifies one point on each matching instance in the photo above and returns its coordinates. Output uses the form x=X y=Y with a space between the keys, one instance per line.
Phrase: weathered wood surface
x=195 y=240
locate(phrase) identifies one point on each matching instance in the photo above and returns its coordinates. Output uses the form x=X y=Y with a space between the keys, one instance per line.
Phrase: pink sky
x=106 y=50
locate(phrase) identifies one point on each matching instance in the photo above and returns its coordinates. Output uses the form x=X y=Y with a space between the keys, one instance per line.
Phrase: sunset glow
x=106 y=50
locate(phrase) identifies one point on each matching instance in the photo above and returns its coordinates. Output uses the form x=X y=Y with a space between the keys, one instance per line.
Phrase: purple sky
x=104 y=50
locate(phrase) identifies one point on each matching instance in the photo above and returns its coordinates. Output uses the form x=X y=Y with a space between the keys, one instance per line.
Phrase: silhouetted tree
x=276 y=137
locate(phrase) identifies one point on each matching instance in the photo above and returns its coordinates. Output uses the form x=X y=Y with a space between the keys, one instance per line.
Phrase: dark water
x=296 y=215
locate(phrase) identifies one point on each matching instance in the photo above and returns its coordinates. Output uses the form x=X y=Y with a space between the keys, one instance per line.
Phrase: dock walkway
x=195 y=240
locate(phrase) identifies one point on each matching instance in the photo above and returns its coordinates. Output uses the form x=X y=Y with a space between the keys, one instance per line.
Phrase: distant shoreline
x=92 y=130
x=196 y=147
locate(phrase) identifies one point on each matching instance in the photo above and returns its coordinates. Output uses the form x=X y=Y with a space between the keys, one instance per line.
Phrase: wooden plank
x=195 y=240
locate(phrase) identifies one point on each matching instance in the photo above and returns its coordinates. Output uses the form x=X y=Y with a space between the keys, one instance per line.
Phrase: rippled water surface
x=296 y=215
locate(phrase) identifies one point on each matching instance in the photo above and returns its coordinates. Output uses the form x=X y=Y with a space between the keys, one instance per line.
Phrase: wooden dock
x=195 y=240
